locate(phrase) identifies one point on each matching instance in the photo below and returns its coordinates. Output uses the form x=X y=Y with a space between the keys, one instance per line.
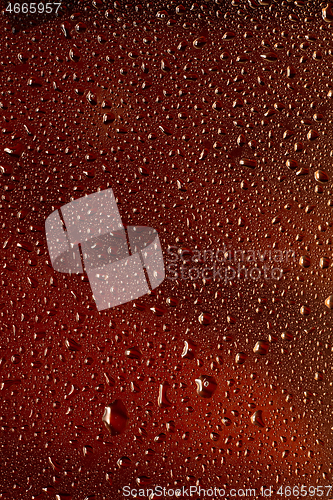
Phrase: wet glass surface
x=211 y=122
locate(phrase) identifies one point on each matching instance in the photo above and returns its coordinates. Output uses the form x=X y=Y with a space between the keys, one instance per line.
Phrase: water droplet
x=305 y=310
x=133 y=353
x=91 y=98
x=291 y=72
x=240 y=358
x=312 y=135
x=324 y=262
x=206 y=386
x=200 y=42
x=165 y=65
x=143 y=481
x=304 y=261
x=115 y=417
x=163 y=401
x=108 y=117
x=160 y=438
x=261 y=347
x=217 y=105
x=74 y=54
x=226 y=421
x=205 y=318
x=292 y=164
x=270 y=56
x=329 y=302
x=203 y=154
x=327 y=13
x=257 y=419
x=189 y=350
x=228 y=35
x=80 y=27
x=171 y=426
x=248 y=162
x=321 y=176
x=124 y=462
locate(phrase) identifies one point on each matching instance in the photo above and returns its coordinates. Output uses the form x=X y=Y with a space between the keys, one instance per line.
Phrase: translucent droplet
x=257 y=418
x=200 y=42
x=261 y=347
x=206 y=386
x=115 y=417
x=321 y=176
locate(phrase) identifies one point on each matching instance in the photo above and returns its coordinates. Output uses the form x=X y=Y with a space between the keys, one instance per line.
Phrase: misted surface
x=212 y=124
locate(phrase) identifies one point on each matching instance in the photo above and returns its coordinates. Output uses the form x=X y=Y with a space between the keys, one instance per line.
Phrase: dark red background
x=194 y=89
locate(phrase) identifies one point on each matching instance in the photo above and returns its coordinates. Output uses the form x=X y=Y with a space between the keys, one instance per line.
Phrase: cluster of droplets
x=210 y=122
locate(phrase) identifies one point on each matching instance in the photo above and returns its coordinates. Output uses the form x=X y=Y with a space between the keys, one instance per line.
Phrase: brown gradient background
x=257 y=86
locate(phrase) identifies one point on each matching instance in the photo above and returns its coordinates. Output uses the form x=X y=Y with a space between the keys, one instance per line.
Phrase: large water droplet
x=115 y=417
x=257 y=419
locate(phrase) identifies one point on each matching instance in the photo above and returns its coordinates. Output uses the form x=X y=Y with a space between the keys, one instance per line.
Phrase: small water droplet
x=270 y=56
x=312 y=135
x=226 y=421
x=321 y=176
x=189 y=349
x=163 y=401
x=248 y=162
x=304 y=261
x=261 y=347
x=205 y=318
x=327 y=13
x=200 y=42
x=257 y=418
x=206 y=386
x=329 y=302
x=240 y=358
